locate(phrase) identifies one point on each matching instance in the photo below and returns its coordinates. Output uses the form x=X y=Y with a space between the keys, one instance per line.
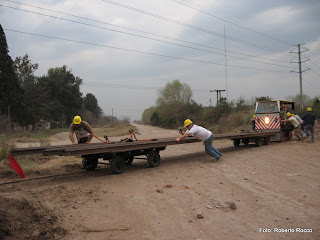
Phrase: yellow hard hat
x=254 y=116
x=288 y=114
x=187 y=122
x=77 y=120
x=309 y=109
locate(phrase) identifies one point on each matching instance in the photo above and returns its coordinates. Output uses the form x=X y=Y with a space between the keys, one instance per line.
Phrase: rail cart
x=123 y=153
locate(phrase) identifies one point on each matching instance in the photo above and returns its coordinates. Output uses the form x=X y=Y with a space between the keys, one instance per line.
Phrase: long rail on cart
x=123 y=153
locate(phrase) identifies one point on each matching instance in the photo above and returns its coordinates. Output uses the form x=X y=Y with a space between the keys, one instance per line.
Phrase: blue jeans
x=211 y=150
x=307 y=129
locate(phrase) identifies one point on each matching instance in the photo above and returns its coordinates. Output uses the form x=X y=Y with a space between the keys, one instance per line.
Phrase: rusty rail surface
x=97 y=148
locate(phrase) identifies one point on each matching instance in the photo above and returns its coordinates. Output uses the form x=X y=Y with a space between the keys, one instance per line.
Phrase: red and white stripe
x=274 y=122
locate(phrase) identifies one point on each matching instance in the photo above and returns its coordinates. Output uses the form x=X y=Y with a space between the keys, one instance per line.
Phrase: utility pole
x=218 y=94
x=225 y=58
x=300 y=72
x=112 y=118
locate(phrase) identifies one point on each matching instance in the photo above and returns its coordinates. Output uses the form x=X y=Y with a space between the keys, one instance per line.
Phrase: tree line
x=175 y=104
x=26 y=98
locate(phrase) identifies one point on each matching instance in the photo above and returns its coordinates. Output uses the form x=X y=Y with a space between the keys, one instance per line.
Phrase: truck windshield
x=267 y=107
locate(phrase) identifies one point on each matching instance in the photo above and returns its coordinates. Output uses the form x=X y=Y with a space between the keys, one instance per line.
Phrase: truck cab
x=269 y=115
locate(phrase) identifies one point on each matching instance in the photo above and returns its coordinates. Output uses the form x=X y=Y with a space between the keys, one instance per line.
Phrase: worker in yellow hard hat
x=309 y=120
x=82 y=129
x=296 y=125
x=202 y=134
x=253 y=122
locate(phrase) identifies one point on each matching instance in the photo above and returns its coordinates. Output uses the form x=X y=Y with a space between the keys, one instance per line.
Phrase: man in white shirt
x=203 y=134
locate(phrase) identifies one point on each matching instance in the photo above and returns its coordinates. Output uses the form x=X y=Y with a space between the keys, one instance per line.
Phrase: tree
x=306 y=101
x=33 y=98
x=90 y=103
x=25 y=70
x=263 y=98
x=173 y=101
x=63 y=89
x=316 y=106
x=10 y=90
x=175 y=93
x=241 y=105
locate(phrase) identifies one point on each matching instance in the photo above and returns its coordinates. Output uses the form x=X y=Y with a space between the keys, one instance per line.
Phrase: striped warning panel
x=263 y=123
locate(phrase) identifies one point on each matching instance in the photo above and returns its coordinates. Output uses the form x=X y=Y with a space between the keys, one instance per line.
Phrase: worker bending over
x=82 y=129
x=296 y=125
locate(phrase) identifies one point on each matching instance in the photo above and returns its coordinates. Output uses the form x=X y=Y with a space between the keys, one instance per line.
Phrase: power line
x=314 y=64
x=142 y=52
x=315 y=74
x=238 y=25
x=135 y=35
x=192 y=26
x=130 y=87
x=132 y=29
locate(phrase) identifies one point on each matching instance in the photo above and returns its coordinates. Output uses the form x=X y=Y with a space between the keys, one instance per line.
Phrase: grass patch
x=33 y=136
x=38 y=165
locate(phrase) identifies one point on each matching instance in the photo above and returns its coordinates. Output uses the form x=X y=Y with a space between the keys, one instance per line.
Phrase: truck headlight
x=267 y=120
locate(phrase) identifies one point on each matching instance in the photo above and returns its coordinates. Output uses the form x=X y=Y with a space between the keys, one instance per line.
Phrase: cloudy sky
x=126 y=50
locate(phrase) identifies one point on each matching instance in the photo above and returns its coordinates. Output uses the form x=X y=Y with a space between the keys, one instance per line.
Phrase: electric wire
x=138 y=51
x=314 y=64
x=193 y=27
x=129 y=87
x=233 y=23
x=149 y=38
x=132 y=29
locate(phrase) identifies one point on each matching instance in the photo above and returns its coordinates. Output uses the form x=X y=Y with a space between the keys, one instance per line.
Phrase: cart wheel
x=117 y=164
x=153 y=159
x=89 y=162
x=246 y=141
x=236 y=142
x=129 y=160
x=258 y=142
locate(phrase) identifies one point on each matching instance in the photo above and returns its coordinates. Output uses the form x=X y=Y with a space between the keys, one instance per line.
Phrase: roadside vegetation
x=175 y=104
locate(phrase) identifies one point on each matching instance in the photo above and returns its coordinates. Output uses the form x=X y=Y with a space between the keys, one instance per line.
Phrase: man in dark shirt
x=308 y=122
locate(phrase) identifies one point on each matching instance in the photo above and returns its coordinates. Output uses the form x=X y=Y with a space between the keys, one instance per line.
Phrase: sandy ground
x=248 y=194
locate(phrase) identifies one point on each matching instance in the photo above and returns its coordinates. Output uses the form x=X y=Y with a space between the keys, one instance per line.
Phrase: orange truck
x=269 y=115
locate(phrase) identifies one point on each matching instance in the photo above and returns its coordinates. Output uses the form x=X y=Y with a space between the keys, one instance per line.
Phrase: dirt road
x=251 y=193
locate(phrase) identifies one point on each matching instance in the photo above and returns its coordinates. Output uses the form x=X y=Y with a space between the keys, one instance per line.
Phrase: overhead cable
x=144 y=32
x=138 y=51
x=193 y=27
x=149 y=38
x=233 y=23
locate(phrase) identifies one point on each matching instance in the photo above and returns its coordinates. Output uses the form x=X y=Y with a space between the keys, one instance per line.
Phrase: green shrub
x=5 y=149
